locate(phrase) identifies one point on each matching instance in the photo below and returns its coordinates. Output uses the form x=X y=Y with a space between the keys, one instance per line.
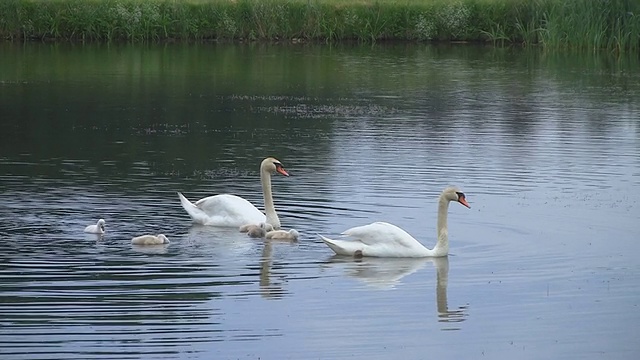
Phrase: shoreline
x=612 y=25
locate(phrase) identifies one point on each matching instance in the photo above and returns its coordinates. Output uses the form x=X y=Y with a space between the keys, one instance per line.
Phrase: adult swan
x=234 y=211
x=382 y=239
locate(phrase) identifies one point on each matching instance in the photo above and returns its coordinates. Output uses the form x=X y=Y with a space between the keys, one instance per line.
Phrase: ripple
x=548 y=159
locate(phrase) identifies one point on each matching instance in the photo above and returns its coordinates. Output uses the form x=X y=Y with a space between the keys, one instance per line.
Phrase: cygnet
x=283 y=235
x=96 y=229
x=150 y=240
x=256 y=230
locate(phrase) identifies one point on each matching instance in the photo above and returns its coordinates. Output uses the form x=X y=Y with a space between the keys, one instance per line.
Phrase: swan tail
x=196 y=214
x=344 y=247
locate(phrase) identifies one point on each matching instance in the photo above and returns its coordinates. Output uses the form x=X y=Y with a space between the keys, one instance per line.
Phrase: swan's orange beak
x=281 y=170
x=464 y=202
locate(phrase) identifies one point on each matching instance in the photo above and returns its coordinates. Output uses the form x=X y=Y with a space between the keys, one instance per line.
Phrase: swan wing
x=343 y=247
x=222 y=210
x=378 y=239
x=381 y=233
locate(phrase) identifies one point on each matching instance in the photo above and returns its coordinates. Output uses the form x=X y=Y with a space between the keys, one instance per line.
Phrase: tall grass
x=580 y=24
x=592 y=24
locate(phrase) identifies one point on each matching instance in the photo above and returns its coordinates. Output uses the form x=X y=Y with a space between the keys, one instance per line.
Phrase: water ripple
x=547 y=154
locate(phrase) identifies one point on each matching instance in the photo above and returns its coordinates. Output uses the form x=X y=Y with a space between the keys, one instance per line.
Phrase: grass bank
x=580 y=24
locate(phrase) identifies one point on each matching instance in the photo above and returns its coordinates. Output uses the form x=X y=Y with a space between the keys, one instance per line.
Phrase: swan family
x=378 y=239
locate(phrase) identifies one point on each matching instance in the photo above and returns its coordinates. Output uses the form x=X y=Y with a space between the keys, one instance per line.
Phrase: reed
x=579 y=24
x=592 y=24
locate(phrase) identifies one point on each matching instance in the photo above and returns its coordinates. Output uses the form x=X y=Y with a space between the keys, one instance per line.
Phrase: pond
x=546 y=147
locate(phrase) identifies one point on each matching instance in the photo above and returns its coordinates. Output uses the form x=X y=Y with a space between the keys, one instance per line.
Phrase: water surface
x=546 y=147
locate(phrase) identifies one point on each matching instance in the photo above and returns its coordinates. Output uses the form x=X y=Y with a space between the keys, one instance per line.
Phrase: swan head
x=266 y=227
x=164 y=239
x=273 y=165
x=452 y=193
x=101 y=223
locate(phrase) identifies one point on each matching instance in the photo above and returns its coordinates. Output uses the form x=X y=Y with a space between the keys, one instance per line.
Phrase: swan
x=150 y=240
x=97 y=228
x=259 y=231
x=291 y=235
x=381 y=239
x=231 y=210
x=253 y=227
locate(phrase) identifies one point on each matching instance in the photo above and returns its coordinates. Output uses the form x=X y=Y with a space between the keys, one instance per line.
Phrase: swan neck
x=269 y=208
x=442 y=246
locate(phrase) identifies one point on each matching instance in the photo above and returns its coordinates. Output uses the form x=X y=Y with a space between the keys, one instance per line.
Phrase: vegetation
x=580 y=24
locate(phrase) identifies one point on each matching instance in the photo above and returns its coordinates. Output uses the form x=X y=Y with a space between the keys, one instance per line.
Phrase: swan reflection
x=387 y=273
x=442 y=280
x=381 y=273
x=150 y=249
x=219 y=241
x=268 y=288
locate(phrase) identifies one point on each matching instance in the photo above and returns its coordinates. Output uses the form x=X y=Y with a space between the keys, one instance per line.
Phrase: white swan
x=231 y=210
x=97 y=228
x=259 y=231
x=291 y=235
x=150 y=240
x=381 y=239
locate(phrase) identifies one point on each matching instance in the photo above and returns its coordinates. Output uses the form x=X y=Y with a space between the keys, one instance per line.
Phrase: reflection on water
x=445 y=314
x=386 y=274
x=268 y=288
x=219 y=242
x=151 y=249
x=545 y=146
x=381 y=273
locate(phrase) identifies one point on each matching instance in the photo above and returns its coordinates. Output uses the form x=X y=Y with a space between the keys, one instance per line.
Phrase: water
x=545 y=146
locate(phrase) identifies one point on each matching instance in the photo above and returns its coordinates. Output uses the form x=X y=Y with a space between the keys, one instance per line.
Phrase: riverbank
x=576 y=24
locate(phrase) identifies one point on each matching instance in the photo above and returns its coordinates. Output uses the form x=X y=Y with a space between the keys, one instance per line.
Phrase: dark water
x=546 y=147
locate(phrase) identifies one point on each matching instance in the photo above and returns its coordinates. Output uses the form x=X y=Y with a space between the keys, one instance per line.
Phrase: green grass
x=576 y=24
x=593 y=24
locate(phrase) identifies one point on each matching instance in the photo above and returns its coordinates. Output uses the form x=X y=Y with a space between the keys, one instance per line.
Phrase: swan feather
x=222 y=210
